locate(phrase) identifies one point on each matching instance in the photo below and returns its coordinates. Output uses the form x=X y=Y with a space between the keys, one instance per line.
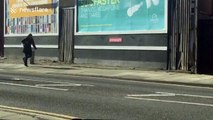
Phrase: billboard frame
x=38 y=34
x=165 y=31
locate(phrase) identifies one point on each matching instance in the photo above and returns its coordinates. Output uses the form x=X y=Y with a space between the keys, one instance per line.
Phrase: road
x=104 y=98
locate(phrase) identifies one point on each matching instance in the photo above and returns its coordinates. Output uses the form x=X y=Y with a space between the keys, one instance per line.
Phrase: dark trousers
x=27 y=55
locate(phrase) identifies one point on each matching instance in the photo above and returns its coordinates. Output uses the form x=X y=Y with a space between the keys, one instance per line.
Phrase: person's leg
x=27 y=55
x=25 y=59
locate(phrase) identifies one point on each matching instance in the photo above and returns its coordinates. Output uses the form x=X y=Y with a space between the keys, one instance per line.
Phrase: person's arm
x=33 y=43
x=23 y=41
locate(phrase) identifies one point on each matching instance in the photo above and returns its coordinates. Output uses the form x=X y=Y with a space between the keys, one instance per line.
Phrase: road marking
x=58 y=85
x=188 y=95
x=169 y=101
x=31 y=86
x=16 y=79
x=62 y=85
x=160 y=94
x=167 y=94
x=28 y=112
x=54 y=84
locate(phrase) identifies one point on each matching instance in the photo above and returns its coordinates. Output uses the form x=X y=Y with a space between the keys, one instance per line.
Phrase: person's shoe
x=25 y=62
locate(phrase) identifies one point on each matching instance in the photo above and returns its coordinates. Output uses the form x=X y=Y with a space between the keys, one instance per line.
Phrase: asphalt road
x=104 y=98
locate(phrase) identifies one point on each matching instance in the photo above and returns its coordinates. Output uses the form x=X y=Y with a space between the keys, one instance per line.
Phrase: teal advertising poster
x=111 y=16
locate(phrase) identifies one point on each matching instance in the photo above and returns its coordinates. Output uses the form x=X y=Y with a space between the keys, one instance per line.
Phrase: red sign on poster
x=117 y=39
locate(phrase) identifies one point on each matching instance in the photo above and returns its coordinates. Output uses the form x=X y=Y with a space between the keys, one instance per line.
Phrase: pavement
x=55 y=68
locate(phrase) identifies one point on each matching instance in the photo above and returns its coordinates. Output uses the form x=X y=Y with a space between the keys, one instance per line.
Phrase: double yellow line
x=35 y=112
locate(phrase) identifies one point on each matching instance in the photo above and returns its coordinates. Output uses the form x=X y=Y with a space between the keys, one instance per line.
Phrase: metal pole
x=196 y=39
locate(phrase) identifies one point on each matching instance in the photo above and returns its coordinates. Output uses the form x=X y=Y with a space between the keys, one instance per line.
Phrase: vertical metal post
x=196 y=37
x=1 y=29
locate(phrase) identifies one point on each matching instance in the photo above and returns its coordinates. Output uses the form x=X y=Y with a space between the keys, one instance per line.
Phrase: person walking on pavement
x=27 y=50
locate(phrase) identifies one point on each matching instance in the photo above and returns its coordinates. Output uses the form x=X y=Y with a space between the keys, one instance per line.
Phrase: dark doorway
x=205 y=37
x=205 y=46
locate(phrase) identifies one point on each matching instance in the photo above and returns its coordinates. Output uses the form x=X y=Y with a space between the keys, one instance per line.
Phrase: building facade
x=156 y=34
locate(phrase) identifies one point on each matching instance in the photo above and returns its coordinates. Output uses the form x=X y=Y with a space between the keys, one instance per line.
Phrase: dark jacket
x=27 y=42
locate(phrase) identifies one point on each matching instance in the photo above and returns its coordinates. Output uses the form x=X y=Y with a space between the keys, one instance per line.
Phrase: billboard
x=39 y=17
x=121 y=16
